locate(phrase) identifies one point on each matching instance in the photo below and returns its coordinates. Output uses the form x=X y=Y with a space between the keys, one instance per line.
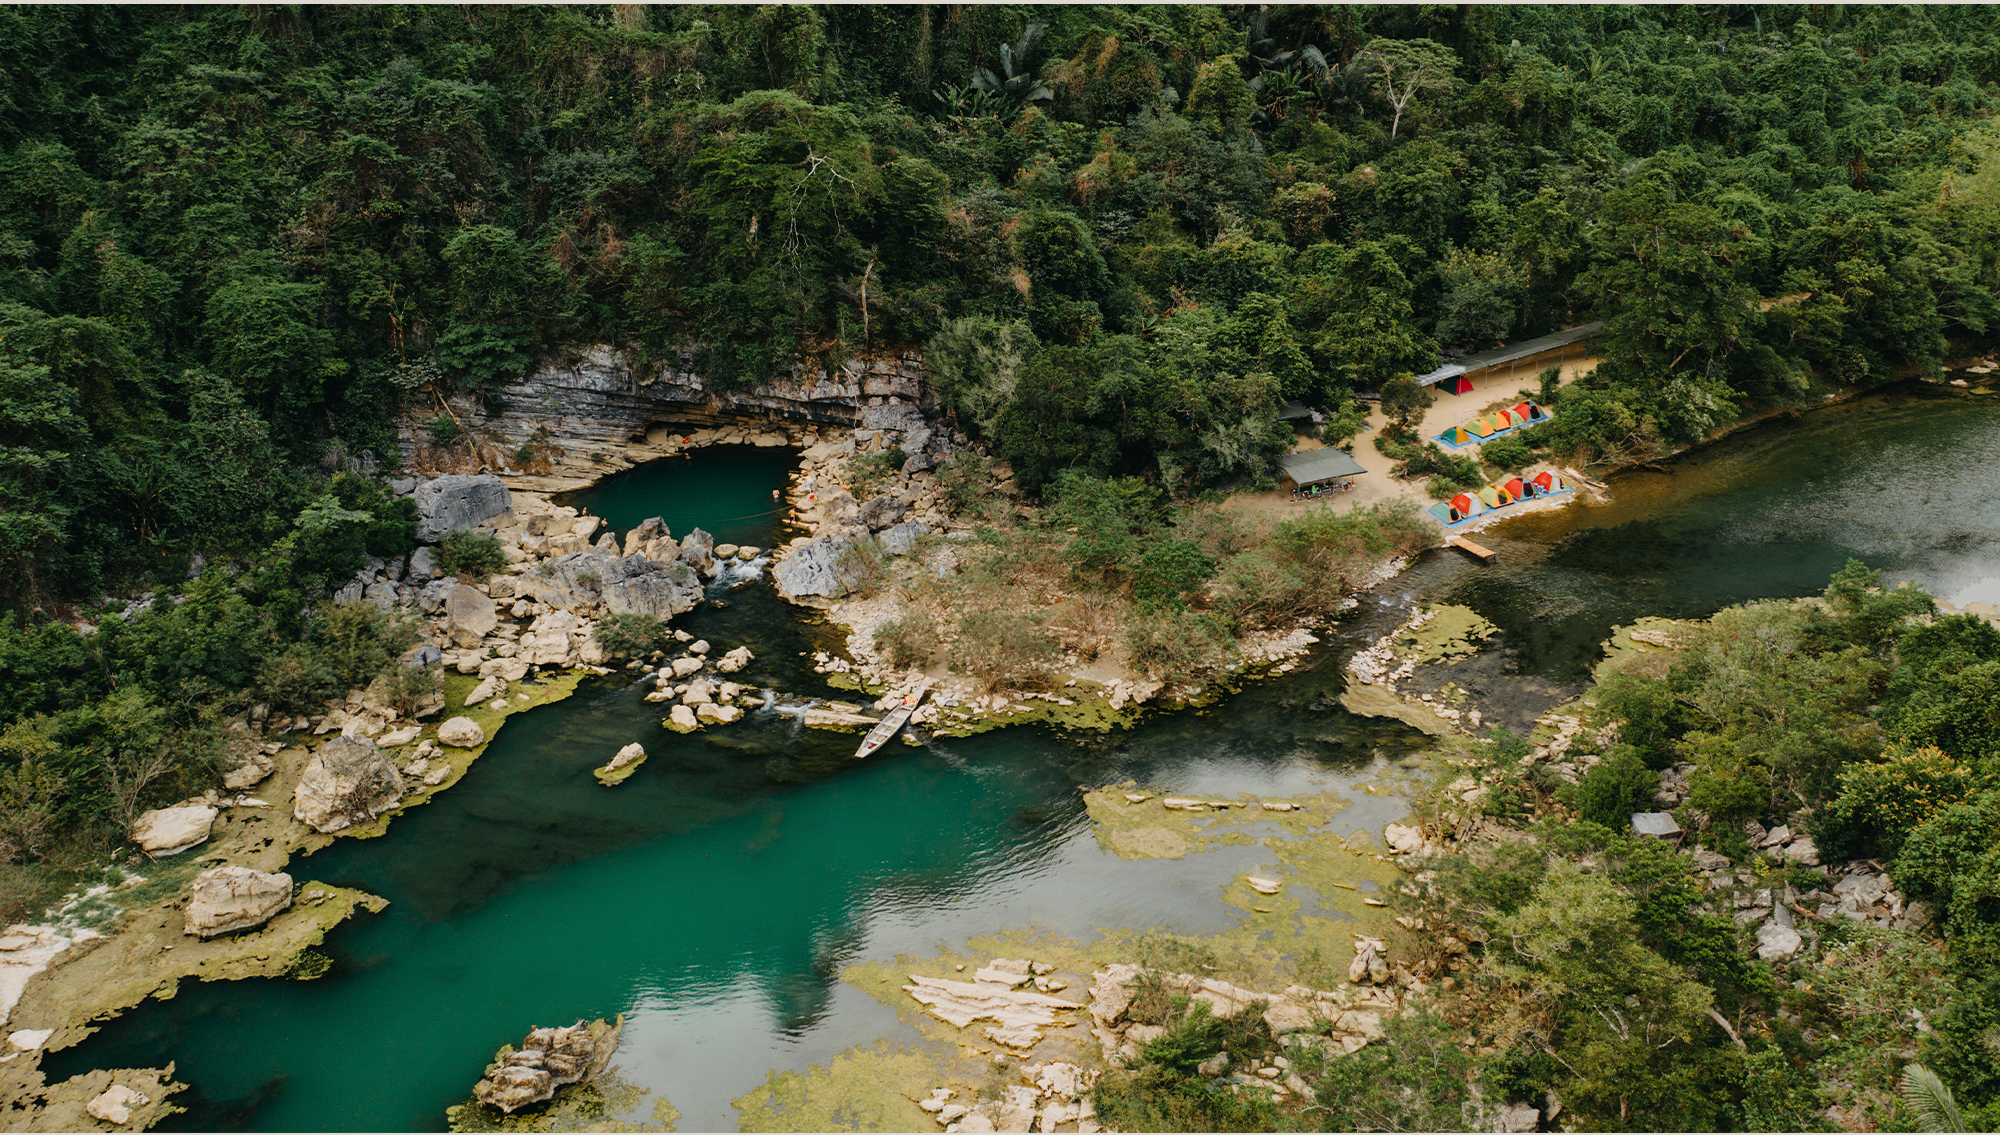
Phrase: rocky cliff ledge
x=591 y=412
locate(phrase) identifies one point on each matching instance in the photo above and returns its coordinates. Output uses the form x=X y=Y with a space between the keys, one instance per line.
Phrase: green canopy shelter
x=1316 y=465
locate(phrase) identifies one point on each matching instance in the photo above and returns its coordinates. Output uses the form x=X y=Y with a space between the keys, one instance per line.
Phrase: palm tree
x=1932 y=1102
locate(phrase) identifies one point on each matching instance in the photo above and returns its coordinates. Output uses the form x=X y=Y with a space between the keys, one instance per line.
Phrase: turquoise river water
x=715 y=897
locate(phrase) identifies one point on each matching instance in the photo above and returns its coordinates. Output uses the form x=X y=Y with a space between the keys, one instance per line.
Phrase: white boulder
x=461 y=733
x=347 y=782
x=168 y=831
x=227 y=899
x=114 y=1105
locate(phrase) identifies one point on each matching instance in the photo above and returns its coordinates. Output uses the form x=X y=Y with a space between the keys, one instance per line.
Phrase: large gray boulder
x=882 y=511
x=698 y=551
x=347 y=782
x=446 y=504
x=583 y=581
x=471 y=614
x=228 y=899
x=1775 y=943
x=901 y=539
x=423 y=566
x=822 y=567
x=1659 y=825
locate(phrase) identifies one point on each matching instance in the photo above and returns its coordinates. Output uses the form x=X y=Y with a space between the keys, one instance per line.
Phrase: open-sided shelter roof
x=1315 y=465
x=1500 y=356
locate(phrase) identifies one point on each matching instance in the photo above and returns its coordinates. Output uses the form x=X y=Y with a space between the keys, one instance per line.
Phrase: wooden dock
x=1465 y=545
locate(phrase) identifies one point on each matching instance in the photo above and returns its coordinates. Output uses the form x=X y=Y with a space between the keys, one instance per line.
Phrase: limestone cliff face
x=594 y=400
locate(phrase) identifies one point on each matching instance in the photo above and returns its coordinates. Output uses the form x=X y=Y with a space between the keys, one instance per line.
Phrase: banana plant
x=1016 y=78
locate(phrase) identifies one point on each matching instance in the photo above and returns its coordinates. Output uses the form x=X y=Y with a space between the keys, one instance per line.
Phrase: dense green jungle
x=239 y=245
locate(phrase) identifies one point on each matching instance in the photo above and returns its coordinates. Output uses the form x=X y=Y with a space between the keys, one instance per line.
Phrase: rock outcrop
x=347 y=782
x=548 y=1059
x=820 y=568
x=596 y=578
x=1054 y=1094
x=451 y=502
x=228 y=899
x=593 y=398
x=167 y=831
x=1349 y=1016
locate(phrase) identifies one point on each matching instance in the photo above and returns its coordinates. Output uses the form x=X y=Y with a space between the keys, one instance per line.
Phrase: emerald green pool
x=716 y=895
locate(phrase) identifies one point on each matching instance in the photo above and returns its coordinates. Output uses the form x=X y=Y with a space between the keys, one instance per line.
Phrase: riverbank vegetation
x=1616 y=982
x=239 y=242
x=1113 y=571
x=127 y=706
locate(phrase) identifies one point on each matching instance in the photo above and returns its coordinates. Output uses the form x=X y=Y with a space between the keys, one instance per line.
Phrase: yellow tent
x=1479 y=428
x=1456 y=435
x=1495 y=496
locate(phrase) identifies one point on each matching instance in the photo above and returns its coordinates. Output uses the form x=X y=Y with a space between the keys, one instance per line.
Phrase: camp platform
x=1519 y=416
x=1316 y=465
x=1476 y=503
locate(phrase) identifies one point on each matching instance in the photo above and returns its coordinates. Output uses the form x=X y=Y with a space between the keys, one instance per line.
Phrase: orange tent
x=1479 y=427
x=1502 y=420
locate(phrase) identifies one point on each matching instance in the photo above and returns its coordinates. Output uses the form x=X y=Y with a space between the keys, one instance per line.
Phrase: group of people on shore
x=1320 y=490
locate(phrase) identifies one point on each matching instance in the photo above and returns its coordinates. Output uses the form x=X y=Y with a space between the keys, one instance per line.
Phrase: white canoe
x=889 y=726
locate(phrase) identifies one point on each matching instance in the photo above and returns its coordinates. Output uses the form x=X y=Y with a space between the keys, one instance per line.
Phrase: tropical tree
x=1409 y=69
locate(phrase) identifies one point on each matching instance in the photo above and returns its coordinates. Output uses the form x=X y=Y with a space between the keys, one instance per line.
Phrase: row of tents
x=1477 y=502
x=1493 y=425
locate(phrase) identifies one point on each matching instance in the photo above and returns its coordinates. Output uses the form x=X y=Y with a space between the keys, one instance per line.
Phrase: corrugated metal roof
x=1319 y=465
x=1510 y=353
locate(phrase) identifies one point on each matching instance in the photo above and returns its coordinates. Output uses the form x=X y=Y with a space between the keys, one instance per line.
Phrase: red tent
x=1548 y=481
x=1527 y=412
x=1459 y=385
x=1513 y=486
